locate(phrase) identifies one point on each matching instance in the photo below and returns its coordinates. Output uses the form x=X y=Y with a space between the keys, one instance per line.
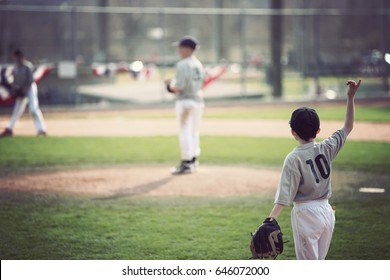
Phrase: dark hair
x=305 y=122
x=19 y=53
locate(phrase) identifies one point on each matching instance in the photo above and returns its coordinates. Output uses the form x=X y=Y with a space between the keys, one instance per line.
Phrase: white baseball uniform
x=306 y=181
x=189 y=105
x=23 y=75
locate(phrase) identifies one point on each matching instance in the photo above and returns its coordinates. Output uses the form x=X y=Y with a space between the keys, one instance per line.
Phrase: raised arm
x=350 y=115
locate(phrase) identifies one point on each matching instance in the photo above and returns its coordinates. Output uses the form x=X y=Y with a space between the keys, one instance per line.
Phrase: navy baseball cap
x=18 y=52
x=187 y=41
x=305 y=122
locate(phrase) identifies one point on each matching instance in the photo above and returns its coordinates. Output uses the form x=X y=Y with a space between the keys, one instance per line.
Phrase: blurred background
x=107 y=52
x=99 y=187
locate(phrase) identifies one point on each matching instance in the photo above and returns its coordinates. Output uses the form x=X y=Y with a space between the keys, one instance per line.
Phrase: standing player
x=187 y=86
x=305 y=180
x=25 y=90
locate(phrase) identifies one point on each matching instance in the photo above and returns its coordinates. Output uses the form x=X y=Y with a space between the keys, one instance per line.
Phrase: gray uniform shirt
x=23 y=75
x=306 y=170
x=189 y=78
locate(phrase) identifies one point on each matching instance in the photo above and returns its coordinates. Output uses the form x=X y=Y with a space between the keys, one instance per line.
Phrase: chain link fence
x=321 y=46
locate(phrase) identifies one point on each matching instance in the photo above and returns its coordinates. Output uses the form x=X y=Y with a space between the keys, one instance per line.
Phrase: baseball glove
x=17 y=91
x=168 y=86
x=267 y=241
x=169 y=89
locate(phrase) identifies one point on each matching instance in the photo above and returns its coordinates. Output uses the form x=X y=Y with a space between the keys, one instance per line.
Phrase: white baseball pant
x=188 y=116
x=20 y=106
x=313 y=224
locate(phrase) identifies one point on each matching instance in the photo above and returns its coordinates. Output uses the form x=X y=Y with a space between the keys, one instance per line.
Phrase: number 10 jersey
x=307 y=169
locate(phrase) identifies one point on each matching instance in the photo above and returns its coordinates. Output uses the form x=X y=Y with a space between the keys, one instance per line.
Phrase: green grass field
x=181 y=228
x=294 y=84
x=36 y=226
x=327 y=113
x=22 y=152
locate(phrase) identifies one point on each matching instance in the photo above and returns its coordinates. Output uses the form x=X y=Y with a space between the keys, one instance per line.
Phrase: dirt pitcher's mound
x=149 y=181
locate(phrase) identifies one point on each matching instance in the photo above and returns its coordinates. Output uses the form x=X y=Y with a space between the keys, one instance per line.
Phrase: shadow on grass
x=138 y=190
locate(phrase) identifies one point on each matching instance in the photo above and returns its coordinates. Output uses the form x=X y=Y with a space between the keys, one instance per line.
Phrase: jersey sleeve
x=334 y=143
x=181 y=76
x=289 y=182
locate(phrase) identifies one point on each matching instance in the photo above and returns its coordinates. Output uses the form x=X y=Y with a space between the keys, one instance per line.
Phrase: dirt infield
x=216 y=181
x=146 y=180
x=166 y=127
x=209 y=181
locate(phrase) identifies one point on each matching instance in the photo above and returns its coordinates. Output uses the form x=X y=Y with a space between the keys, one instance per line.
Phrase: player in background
x=305 y=180
x=187 y=87
x=25 y=90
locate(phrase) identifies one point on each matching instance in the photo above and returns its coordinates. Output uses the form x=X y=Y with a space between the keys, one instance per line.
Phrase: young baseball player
x=306 y=180
x=25 y=90
x=187 y=87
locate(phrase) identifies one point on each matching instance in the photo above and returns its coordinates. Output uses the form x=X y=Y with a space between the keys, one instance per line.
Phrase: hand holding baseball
x=353 y=87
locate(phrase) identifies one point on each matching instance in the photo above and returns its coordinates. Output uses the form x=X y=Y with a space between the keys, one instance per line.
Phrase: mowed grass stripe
x=278 y=112
x=326 y=113
x=24 y=152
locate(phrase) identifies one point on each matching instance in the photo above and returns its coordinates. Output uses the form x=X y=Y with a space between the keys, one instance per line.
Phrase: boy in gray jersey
x=187 y=87
x=305 y=180
x=25 y=91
